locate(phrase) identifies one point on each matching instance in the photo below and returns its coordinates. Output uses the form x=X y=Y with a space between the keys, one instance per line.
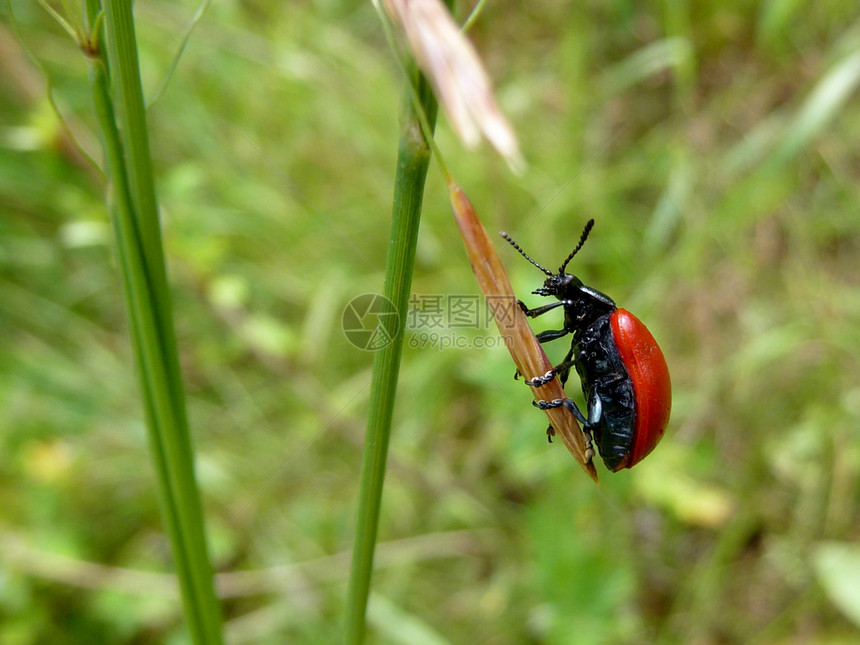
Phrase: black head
x=556 y=284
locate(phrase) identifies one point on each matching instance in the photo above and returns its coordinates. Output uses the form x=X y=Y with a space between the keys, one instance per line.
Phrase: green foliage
x=713 y=142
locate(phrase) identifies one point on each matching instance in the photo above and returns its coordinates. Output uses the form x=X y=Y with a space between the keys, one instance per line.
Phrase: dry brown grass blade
x=525 y=348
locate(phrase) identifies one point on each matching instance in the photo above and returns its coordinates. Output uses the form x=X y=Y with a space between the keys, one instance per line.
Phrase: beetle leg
x=546 y=405
x=594 y=412
x=566 y=363
x=540 y=311
x=537 y=381
x=562 y=370
x=550 y=433
x=573 y=408
x=551 y=334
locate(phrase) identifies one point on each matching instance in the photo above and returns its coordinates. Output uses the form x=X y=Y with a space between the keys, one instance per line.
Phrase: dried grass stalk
x=525 y=348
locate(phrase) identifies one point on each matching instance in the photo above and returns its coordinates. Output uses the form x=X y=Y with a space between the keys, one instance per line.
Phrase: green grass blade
x=119 y=108
x=412 y=163
x=821 y=106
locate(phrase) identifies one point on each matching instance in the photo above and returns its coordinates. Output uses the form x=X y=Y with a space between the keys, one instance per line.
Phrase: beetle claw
x=538 y=381
x=547 y=405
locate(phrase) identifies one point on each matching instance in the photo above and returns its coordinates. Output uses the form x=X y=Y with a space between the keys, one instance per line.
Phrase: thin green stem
x=56 y=15
x=412 y=164
x=473 y=16
x=118 y=103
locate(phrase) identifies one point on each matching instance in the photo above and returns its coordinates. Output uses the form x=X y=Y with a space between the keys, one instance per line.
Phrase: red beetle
x=624 y=376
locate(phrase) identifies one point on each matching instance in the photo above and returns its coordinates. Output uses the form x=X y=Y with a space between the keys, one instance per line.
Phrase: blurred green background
x=716 y=143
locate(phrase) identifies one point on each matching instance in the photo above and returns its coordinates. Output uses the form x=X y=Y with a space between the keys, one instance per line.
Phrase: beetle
x=625 y=379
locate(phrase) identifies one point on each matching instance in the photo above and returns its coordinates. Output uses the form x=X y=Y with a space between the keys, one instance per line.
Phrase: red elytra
x=651 y=383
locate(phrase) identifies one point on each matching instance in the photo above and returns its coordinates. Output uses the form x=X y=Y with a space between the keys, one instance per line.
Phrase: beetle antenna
x=524 y=254
x=588 y=226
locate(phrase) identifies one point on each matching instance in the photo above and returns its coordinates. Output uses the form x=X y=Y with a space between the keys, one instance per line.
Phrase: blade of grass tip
x=413 y=160
x=65 y=24
x=198 y=15
x=473 y=16
x=48 y=82
x=525 y=349
x=135 y=219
